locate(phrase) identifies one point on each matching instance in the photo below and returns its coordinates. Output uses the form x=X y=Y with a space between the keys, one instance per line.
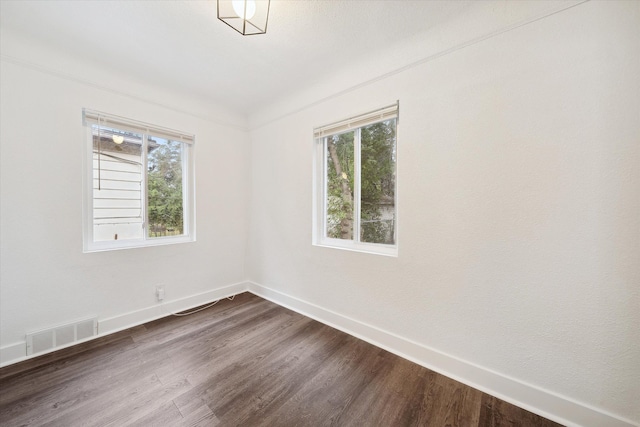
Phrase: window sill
x=131 y=244
x=373 y=249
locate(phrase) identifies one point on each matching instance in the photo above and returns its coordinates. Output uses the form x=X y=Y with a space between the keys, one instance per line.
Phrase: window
x=355 y=183
x=139 y=184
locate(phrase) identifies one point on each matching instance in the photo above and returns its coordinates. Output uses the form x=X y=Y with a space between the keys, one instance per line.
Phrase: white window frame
x=92 y=117
x=319 y=220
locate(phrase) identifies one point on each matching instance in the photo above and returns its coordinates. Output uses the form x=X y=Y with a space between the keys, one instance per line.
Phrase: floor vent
x=62 y=335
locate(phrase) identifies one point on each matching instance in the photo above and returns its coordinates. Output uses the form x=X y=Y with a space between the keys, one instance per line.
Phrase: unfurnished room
x=320 y=212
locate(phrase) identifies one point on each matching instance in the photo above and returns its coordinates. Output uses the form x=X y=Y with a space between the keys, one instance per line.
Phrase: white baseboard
x=12 y=353
x=17 y=352
x=139 y=317
x=534 y=399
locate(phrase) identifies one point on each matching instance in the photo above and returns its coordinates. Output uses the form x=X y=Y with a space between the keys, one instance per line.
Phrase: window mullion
x=325 y=187
x=144 y=187
x=356 y=186
x=184 y=157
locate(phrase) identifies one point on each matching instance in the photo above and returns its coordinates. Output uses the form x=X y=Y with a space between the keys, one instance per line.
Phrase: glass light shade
x=247 y=17
x=240 y=5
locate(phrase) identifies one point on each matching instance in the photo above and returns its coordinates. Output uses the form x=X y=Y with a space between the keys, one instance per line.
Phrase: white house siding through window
x=117 y=185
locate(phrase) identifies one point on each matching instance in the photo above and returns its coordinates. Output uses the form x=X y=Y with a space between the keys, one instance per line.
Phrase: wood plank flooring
x=246 y=362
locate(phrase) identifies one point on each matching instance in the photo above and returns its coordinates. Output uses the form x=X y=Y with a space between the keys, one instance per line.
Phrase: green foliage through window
x=367 y=153
x=377 y=182
x=164 y=175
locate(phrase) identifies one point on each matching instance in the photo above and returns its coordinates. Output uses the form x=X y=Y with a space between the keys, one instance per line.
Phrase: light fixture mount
x=248 y=17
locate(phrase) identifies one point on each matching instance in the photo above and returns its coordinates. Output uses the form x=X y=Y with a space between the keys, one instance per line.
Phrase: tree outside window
x=358 y=186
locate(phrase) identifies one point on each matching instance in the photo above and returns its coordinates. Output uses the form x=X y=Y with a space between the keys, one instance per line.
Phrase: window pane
x=378 y=182
x=164 y=175
x=117 y=180
x=339 y=192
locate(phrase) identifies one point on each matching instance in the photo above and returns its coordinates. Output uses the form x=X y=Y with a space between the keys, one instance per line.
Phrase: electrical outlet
x=160 y=292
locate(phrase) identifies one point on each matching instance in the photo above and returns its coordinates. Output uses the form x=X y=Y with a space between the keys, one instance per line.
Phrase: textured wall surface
x=518 y=183
x=519 y=206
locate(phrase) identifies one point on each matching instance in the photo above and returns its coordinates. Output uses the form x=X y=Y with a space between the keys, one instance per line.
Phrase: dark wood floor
x=246 y=362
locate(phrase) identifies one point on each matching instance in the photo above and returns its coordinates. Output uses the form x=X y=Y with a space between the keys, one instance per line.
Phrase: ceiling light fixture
x=248 y=17
x=118 y=139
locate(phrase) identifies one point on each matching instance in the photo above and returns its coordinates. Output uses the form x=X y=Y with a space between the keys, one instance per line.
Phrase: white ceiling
x=181 y=45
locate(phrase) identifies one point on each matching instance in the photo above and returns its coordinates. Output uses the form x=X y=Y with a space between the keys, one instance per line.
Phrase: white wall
x=519 y=208
x=518 y=202
x=46 y=279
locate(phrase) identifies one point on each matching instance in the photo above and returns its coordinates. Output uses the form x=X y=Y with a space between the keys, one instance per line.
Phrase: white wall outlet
x=160 y=292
